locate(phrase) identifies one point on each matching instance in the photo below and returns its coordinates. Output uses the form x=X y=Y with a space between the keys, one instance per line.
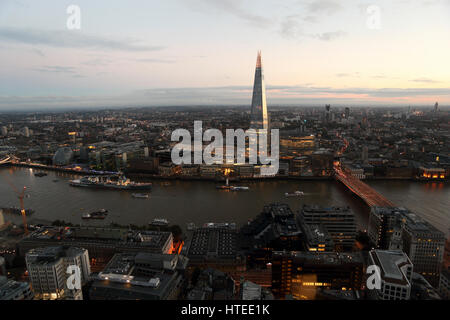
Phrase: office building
x=396 y=274
x=302 y=274
x=421 y=289
x=48 y=267
x=102 y=243
x=214 y=246
x=274 y=228
x=253 y=291
x=140 y=276
x=316 y=238
x=13 y=290
x=322 y=163
x=212 y=284
x=382 y=223
x=297 y=146
x=424 y=245
x=421 y=241
x=339 y=222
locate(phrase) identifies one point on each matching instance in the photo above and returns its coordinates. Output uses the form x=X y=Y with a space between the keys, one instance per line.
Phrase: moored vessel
x=159 y=222
x=98 y=215
x=140 y=195
x=121 y=183
x=294 y=194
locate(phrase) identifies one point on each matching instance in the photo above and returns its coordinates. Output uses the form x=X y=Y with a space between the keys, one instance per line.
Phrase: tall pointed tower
x=259 y=118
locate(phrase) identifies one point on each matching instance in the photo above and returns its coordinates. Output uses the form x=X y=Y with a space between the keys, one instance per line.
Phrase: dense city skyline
x=200 y=52
x=330 y=183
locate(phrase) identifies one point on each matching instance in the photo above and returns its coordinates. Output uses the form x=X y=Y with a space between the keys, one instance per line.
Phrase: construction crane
x=21 y=196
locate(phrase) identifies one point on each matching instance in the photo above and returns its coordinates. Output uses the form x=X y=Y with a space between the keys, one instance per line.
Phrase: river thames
x=52 y=198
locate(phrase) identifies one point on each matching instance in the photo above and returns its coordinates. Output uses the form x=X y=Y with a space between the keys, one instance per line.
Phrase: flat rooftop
x=390 y=263
x=96 y=235
x=324 y=258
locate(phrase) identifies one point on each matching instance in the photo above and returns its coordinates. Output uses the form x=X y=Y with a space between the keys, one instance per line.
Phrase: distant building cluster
x=313 y=253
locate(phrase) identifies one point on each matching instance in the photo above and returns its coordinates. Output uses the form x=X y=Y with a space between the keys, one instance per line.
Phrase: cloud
x=425 y=80
x=310 y=19
x=232 y=7
x=236 y=95
x=329 y=36
x=290 y=27
x=37 y=52
x=55 y=69
x=324 y=6
x=369 y=92
x=71 y=71
x=152 y=60
x=70 y=39
x=379 y=76
x=346 y=75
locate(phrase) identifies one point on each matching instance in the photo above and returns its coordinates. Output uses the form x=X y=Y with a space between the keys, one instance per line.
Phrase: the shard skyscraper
x=259 y=118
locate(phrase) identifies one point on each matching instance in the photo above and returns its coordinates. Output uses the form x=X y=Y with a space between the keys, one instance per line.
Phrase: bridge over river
x=362 y=190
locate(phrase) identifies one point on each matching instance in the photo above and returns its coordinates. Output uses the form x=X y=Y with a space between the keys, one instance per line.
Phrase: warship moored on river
x=122 y=183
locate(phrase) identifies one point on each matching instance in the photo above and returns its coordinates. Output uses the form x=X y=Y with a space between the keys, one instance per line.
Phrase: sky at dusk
x=197 y=52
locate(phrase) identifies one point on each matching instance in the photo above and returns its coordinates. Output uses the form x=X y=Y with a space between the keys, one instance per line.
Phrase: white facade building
x=48 y=267
x=396 y=273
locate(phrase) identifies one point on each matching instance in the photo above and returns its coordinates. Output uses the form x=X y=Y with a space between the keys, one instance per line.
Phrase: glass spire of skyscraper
x=259 y=118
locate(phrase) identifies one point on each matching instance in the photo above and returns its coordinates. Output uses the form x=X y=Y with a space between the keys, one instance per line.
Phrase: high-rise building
x=396 y=274
x=424 y=245
x=382 y=223
x=339 y=222
x=259 y=119
x=327 y=112
x=421 y=241
x=48 y=267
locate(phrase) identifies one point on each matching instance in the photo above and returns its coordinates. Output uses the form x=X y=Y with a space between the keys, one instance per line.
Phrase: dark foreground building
x=102 y=243
x=275 y=228
x=302 y=274
x=214 y=246
x=141 y=276
x=339 y=222
x=421 y=241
